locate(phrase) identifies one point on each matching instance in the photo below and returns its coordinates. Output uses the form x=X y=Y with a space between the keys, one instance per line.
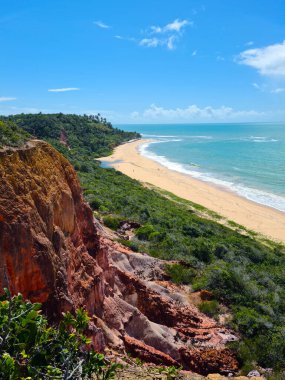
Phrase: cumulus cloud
x=65 y=89
x=6 y=99
x=269 y=60
x=101 y=25
x=195 y=113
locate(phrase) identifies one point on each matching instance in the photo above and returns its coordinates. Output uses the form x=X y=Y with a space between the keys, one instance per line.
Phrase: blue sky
x=145 y=61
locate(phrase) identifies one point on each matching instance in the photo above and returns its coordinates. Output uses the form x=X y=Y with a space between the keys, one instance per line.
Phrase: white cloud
x=257 y=86
x=65 y=89
x=195 y=113
x=102 y=25
x=249 y=43
x=170 y=42
x=194 y=53
x=278 y=90
x=175 y=26
x=6 y=99
x=150 y=42
x=269 y=60
x=156 y=29
x=165 y=35
x=119 y=37
x=154 y=42
x=268 y=88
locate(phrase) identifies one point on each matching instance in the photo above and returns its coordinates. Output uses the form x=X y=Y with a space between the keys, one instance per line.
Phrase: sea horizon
x=246 y=159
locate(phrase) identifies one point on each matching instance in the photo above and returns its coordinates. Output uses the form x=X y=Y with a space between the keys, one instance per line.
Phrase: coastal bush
x=73 y=135
x=133 y=245
x=30 y=348
x=210 y=308
x=11 y=134
x=179 y=273
x=112 y=221
x=146 y=232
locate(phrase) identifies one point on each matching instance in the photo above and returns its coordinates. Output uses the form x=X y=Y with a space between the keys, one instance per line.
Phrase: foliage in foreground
x=32 y=349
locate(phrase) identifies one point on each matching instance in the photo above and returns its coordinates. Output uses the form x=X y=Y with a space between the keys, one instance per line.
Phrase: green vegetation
x=180 y=274
x=75 y=136
x=112 y=221
x=210 y=308
x=12 y=135
x=241 y=272
x=32 y=349
x=171 y=373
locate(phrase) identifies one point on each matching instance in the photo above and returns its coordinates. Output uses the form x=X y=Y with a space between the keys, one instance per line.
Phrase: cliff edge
x=53 y=251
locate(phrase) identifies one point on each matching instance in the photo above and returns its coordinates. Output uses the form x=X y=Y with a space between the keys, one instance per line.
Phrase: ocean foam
x=259 y=139
x=171 y=136
x=258 y=196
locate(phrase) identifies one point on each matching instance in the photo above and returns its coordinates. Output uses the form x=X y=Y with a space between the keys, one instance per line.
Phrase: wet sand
x=265 y=220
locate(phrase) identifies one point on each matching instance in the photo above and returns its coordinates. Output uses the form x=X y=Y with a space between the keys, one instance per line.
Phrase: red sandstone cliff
x=53 y=251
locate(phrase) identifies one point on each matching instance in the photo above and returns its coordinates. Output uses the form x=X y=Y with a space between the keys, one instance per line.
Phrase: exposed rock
x=148 y=353
x=152 y=373
x=253 y=373
x=53 y=251
x=126 y=229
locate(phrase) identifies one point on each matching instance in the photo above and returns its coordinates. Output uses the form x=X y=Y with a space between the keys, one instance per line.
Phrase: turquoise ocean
x=246 y=158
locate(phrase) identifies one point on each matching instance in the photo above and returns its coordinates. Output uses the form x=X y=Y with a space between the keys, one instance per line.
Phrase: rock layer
x=53 y=251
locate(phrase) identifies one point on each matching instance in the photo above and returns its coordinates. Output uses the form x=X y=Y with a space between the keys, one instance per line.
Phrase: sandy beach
x=262 y=219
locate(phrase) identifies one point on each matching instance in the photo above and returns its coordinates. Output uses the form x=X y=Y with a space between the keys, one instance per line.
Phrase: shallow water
x=248 y=159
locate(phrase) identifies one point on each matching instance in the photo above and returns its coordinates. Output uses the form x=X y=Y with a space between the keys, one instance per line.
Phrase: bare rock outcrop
x=53 y=251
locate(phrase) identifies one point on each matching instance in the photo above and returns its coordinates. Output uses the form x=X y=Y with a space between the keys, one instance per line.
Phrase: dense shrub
x=180 y=274
x=74 y=134
x=146 y=232
x=210 y=308
x=32 y=349
x=112 y=221
x=11 y=134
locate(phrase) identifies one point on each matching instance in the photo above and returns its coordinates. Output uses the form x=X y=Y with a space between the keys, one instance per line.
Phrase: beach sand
x=264 y=220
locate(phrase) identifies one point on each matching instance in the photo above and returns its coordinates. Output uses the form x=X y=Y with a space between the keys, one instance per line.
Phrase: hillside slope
x=245 y=277
x=54 y=252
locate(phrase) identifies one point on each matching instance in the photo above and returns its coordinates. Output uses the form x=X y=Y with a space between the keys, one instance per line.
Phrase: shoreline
x=253 y=216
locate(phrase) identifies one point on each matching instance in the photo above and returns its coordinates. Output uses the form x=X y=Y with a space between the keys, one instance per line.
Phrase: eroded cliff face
x=53 y=251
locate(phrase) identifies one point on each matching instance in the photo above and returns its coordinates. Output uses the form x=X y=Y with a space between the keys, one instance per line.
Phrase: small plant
x=112 y=221
x=146 y=232
x=210 y=308
x=139 y=362
x=31 y=349
x=171 y=372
